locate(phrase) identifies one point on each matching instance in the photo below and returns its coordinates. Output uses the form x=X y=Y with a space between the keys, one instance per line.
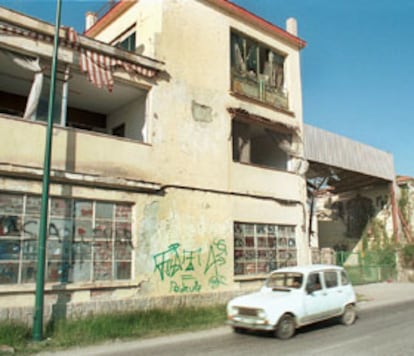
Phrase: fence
x=368 y=267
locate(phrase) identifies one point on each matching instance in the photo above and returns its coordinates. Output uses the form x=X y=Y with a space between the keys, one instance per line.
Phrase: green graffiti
x=192 y=257
x=216 y=255
x=169 y=262
x=188 y=284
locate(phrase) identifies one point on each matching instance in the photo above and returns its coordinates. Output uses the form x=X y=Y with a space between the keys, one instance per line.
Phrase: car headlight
x=261 y=314
x=231 y=310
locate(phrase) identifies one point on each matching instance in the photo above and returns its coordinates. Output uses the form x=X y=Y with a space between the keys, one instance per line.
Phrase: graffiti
x=193 y=258
x=171 y=262
x=216 y=257
x=189 y=284
x=168 y=263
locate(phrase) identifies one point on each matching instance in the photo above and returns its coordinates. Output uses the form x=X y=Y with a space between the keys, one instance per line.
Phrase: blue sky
x=357 y=69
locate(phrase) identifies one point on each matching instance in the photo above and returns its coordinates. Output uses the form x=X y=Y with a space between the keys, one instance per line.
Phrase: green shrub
x=408 y=256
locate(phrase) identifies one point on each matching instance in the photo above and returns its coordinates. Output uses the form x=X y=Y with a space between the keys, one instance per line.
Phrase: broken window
x=87 y=240
x=257 y=71
x=261 y=248
x=256 y=144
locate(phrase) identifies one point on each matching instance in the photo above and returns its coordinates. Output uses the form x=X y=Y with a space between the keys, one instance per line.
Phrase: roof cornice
x=118 y=9
x=225 y=5
x=247 y=16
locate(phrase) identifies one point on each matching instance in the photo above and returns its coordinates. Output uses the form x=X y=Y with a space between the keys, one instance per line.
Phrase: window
x=344 y=278
x=127 y=39
x=253 y=143
x=314 y=282
x=87 y=240
x=128 y=43
x=257 y=71
x=42 y=110
x=331 y=279
x=289 y=280
x=261 y=248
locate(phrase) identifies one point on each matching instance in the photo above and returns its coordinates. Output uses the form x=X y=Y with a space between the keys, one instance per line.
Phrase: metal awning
x=345 y=163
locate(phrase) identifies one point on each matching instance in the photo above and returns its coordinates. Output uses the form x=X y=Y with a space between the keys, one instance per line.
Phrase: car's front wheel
x=286 y=327
x=239 y=330
x=349 y=315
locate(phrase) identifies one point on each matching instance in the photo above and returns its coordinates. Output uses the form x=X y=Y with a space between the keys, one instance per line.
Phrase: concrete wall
x=133 y=116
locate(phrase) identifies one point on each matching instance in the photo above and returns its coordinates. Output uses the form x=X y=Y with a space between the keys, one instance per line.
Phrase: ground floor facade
x=117 y=248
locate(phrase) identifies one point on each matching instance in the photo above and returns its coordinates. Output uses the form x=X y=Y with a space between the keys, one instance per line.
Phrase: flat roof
x=225 y=5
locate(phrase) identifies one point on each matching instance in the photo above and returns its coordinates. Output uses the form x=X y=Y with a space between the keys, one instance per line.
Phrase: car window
x=282 y=279
x=314 y=282
x=344 y=278
x=331 y=279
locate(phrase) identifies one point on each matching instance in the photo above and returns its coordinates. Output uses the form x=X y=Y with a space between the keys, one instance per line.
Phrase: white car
x=293 y=297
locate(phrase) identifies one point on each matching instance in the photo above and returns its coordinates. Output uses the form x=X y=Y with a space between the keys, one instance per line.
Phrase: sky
x=357 y=68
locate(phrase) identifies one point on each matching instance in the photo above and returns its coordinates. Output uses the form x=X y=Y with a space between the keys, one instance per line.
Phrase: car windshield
x=284 y=280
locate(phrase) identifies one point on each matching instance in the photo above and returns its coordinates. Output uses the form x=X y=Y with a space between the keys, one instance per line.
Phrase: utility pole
x=41 y=250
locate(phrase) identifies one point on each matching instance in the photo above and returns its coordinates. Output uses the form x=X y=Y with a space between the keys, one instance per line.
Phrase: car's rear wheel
x=286 y=327
x=349 y=315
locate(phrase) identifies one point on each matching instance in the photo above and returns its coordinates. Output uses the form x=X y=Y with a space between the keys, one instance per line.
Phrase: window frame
x=259 y=79
x=66 y=250
x=253 y=252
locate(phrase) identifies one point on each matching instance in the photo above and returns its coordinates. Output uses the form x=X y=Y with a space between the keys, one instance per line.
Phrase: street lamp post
x=41 y=251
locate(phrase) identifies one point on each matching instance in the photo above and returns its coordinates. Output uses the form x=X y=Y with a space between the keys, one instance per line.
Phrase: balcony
x=80 y=156
x=258 y=72
x=259 y=91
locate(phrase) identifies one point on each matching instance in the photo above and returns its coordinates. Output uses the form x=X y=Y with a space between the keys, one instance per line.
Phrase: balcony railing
x=257 y=89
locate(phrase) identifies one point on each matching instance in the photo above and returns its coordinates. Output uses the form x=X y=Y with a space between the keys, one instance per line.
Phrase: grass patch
x=100 y=328
x=14 y=334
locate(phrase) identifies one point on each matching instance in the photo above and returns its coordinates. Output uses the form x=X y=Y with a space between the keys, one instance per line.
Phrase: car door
x=334 y=292
x=314 y=299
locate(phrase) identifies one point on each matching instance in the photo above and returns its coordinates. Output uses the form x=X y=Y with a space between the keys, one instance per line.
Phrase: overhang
x=346 y=164
x=244 y=115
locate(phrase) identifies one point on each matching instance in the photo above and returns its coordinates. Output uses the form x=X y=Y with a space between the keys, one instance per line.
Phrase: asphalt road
x=380 y=332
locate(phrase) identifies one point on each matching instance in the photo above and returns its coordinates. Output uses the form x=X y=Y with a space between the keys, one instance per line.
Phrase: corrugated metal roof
x=338 y=151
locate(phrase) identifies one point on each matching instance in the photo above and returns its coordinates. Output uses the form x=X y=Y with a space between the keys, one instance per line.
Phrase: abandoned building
x=178 y=167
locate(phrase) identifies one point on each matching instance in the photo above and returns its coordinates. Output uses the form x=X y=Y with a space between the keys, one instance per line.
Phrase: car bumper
x=249 y=323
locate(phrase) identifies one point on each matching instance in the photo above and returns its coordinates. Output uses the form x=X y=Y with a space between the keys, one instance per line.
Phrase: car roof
x=309 y=268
